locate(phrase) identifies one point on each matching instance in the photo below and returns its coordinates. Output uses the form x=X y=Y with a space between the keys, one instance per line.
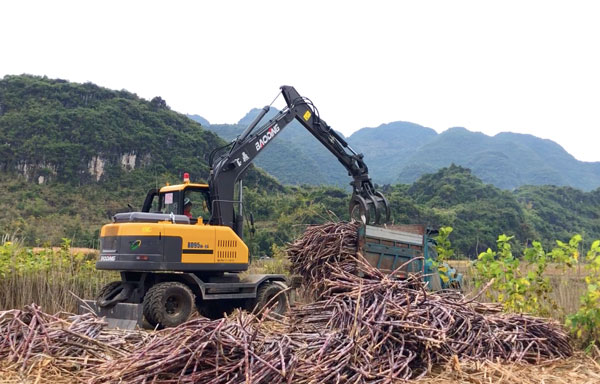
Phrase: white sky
x=521 y=66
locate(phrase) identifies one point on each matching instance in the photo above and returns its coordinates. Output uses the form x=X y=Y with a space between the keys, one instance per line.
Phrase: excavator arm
x=366 y=204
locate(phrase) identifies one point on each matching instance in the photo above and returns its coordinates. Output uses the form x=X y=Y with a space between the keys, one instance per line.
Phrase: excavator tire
x=168 y=304
x=266 y=297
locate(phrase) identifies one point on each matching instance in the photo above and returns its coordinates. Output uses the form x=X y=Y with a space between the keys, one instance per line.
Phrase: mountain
x=295 y=158
x=81 y=133
x=403 y=151
x=507 y=160
x=387 y=146
x=56 y=130
x=199 y=119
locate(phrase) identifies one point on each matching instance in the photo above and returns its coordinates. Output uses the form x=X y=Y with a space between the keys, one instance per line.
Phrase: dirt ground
x=579 y=369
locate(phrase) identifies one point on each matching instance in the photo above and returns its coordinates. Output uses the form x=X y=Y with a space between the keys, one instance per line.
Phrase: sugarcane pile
x=238 y=349
x=64 y=343
x=362 y=327
x=389 y=328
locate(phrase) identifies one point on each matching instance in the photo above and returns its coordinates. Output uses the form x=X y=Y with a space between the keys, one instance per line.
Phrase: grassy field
x=50 y=277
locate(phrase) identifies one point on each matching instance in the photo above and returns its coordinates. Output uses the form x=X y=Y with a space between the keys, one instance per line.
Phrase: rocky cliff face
x=43 y=172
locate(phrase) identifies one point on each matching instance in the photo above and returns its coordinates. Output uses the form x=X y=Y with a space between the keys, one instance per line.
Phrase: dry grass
x=73 y=250
x=567 y=285
x=50 y=278
x=553 y=269
x=54 y=290
x=579 y=369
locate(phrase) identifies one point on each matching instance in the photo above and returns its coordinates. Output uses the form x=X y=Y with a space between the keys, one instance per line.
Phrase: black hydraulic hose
x=214 y=151
x=253 y=124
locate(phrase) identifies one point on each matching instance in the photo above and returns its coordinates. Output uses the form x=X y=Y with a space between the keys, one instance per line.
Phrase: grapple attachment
x=369 y=207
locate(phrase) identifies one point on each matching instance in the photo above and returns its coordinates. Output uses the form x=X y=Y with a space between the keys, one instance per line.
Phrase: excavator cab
x=172 y=199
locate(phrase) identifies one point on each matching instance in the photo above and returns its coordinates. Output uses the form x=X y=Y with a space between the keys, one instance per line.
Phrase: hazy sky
x=521 y=66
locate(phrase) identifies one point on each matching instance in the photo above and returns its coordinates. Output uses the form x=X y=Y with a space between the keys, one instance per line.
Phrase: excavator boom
x=366 y=204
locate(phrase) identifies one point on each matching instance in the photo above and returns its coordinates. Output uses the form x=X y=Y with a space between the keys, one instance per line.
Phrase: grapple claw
x=383 y=208
x=359 y=209
x=370 y=207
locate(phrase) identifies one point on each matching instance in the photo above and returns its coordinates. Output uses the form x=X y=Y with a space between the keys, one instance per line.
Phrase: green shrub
x=585 y=324
x=510 y=285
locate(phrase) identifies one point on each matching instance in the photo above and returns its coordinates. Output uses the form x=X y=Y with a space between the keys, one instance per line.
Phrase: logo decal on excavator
x=135 y=245
x=307 y=115
x=193 y=244
x=267 y=137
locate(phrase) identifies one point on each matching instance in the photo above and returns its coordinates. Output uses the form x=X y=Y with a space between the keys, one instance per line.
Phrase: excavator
x=171 y=263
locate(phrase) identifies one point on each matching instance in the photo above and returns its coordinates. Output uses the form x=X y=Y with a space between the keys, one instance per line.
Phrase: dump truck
x=174 y=260
x=406 y=250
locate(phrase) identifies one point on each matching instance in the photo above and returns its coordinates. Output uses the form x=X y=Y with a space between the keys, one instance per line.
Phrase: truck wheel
x=266 y=296
x=168 y=304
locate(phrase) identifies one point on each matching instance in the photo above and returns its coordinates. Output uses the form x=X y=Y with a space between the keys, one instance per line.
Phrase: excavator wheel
x=271 y=294
x=168 y=304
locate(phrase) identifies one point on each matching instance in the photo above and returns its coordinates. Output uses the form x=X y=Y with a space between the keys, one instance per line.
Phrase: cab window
x=199 y=200
x=155 y=205
x=170 y=203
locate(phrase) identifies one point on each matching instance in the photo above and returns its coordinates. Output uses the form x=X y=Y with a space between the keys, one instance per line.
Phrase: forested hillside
x=452 y=196
x=56 y=130
x=74 y=154
x=560 y=211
